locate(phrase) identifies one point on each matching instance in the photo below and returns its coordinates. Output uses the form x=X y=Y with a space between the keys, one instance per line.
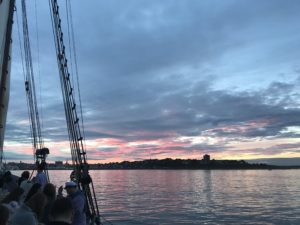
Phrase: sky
x=166 y=79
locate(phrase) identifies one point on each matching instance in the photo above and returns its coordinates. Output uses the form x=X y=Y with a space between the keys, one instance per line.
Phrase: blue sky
x=168 y=79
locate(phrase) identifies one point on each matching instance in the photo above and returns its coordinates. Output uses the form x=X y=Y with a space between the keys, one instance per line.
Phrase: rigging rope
x=78 y=151
x=23 y=69
x=70 y=53
x=40 y=151
x=38 y=64
x=69 y=42
x=29 y=82
x=69 y=14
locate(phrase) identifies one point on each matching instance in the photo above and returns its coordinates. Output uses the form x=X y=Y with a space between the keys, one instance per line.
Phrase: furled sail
x=6 y=17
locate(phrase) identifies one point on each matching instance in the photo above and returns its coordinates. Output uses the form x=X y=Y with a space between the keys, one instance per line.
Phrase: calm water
x=196 y=196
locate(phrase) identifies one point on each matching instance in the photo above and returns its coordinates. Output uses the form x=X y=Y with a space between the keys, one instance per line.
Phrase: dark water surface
x=196 y=196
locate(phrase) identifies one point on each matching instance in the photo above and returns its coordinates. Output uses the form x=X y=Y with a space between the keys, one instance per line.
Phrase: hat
x=70 y=184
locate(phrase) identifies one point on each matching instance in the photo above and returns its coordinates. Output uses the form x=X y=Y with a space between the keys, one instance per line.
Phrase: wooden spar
x=6 y=21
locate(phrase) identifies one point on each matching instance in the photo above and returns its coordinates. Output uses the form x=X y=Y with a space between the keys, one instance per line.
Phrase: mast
x=6 y=21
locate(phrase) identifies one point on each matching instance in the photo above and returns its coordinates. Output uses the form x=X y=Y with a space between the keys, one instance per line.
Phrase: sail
x=6 y=14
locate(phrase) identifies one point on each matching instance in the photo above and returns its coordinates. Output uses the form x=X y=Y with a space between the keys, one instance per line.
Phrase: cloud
x=17 y=156
x=159 y=71
x=275 y=149
x=107 y=149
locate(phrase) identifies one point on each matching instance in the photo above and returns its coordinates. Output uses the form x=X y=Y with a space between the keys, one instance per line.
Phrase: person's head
x=4 y=215
x=25 y=175
x=50 y=191
x=33 y=190
x=13 y=196
x=62 y=210
x=37 y=204
x=71 y=187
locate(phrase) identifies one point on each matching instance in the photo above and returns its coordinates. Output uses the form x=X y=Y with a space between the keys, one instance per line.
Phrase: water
x=196 y=196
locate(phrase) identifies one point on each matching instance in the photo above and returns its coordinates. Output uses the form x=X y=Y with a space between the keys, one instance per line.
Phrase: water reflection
x=196 y=196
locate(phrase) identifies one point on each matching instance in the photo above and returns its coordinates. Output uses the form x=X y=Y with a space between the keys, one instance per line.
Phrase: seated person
x=24 y=177
x=78 y=202
x=61 y=212
x=10 y=181
x=4 y=215
x=41 y=177
x=31 y=212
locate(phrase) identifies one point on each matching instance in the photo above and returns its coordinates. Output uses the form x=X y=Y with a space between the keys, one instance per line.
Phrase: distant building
x=58 y=163
x=206 y=159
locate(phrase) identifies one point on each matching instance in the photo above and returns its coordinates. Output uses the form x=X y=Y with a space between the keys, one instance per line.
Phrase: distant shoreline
x=297 y=168
x=164 y=164
x=275 y=168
